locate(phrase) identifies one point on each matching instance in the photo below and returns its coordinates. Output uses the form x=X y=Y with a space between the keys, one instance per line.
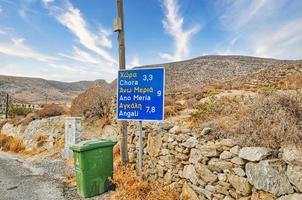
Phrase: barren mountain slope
x=36 y=90
x=179 y=75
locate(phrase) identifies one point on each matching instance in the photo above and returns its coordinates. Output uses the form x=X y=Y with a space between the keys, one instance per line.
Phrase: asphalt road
x=18 y=182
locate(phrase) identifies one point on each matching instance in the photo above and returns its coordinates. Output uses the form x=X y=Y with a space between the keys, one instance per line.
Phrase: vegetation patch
x=129 y=186
x=10 y=143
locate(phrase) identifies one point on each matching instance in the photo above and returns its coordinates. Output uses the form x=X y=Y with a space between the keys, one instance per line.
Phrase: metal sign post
x=140 y=150
x=140 y=97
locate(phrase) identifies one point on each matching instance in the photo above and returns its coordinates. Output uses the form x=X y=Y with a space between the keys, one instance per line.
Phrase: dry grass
x=10 y=143
x=50 y=110
x=93 y=103
x=70 y=180
x=272 y=121
x=40 y=137
x=215 y=108
x=292 y=82
x=132 y=187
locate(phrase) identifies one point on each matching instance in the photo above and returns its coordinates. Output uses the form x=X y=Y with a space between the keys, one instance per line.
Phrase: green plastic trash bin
x=93 y=165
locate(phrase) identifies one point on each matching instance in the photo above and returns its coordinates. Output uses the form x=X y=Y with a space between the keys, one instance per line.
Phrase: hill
x=208 y=69
x=38 y=90
x=179 y=75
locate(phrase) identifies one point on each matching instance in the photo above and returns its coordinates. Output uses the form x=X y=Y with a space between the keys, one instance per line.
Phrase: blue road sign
x=140 y=94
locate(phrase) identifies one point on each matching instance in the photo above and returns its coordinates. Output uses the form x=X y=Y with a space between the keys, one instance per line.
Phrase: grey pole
x=122 y=65
x=7 y=105
x=140 y=150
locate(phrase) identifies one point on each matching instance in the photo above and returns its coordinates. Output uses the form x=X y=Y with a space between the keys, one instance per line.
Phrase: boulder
x=241 y=184
x=260 y=195
x=254 y=153
x=190 y=173
x=154 y=144
x=295 y=196
x=294 y=175
x=269 y=176
x=188 y=193
x=292 y=155
x=205 y=174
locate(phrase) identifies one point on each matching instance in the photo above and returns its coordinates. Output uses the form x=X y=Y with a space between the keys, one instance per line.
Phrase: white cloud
x=135 y=62
x=173 y=24
x=265 y=28
x=82 y=56
x=17 y=47
x=71 y=18
x=1 y=10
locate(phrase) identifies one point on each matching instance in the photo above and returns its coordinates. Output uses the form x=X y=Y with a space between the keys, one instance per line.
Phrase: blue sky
x=71 y=40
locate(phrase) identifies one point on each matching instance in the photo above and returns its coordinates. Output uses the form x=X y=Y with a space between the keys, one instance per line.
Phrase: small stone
x=292 y=155
x=222 y=177
x=205 y=174
x=190 y=143
x=175 y=130
x=195 y=156
x=294 y=175
x=188 y=193
x=165 y=126
x=235 y=150
x=208 y=150
x=226 y=155
x=168 y=177
x=295 y=196
x=260 y=195
x=228 y=198
x=227 y=142
x=239 y=171
x=238 y=161
x=241 y=184
x=211 y=188
x=164 y=152
x=219 y=165
x=206 y=131
x=254 y=153
x=190 y=173
x=154 y=144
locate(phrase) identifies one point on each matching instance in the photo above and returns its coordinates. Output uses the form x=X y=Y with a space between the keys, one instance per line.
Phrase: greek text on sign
x=140 y=94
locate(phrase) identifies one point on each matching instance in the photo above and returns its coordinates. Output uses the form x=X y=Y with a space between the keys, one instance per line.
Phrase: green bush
x=16 y=110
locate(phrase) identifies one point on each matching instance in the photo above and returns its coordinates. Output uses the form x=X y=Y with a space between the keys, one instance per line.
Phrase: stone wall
x=221 y=169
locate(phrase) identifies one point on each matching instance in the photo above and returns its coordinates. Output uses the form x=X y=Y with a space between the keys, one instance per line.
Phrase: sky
x=72 y=40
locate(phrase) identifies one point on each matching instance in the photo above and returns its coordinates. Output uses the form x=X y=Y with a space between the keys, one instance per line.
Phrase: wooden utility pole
x=7 y=105
x=122 y=65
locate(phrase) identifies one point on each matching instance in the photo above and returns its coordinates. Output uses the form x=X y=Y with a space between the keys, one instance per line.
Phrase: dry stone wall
x=221 y=169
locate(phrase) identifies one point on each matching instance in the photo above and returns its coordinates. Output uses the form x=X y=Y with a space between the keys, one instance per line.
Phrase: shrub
x=50 y=110
x=132 y=187
x=93 y=103
x=272 y=121
x=10 y=143
x=16 y=110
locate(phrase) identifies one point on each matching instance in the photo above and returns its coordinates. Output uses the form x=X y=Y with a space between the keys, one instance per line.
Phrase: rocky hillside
x=36 y=90
x=179 y=75
x=207 y=69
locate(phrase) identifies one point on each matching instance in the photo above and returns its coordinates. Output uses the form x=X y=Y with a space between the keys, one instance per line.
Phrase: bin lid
x=92 y=144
